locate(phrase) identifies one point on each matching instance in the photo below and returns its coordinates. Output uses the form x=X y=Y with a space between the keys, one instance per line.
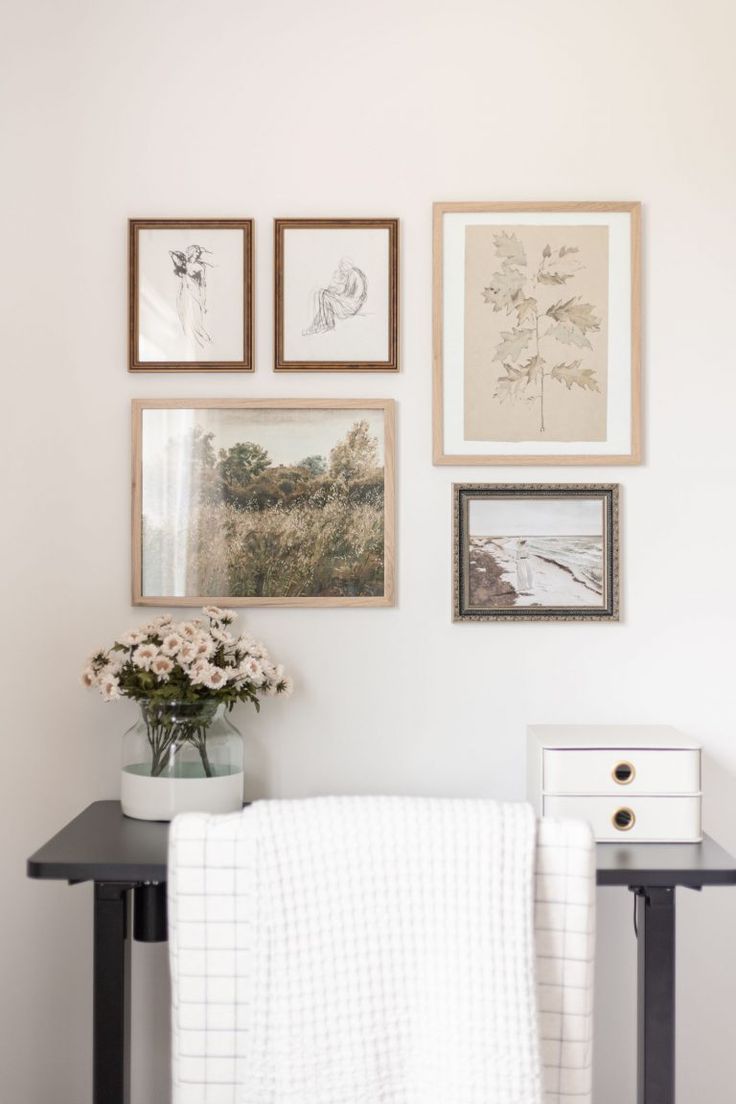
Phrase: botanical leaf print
x=525 y=308
x=504 y=289
x=576 y=313
x=510 y=248
x=572 y=373
x=558 y=265
x=513 y=344
x=569 y=321
x=568 y=335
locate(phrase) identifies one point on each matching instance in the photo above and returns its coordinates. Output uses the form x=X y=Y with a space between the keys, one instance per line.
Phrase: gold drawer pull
x=623 y=820
x=623 y=773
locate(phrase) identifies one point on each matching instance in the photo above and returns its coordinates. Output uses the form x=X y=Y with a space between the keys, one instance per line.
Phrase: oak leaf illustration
x=510 y=248
x=558 y=265
x=512 y=344
x=525 y=308
x=504 y=289
x=568 y=335
x=575 y=313
x=572 y=373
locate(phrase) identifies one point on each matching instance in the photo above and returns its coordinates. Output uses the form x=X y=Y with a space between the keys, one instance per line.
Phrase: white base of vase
x=146 y=798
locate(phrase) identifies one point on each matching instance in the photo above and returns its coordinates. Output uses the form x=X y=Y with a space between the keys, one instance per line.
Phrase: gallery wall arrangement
x=292 y=501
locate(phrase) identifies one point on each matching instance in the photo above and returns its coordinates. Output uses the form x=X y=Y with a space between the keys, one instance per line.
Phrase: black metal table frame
x=655 y=922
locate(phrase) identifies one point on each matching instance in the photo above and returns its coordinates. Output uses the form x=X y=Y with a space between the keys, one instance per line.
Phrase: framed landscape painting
x=526 y=552
x=536 y=333
x=191 y=295
x=337 y=295
x=251 y=502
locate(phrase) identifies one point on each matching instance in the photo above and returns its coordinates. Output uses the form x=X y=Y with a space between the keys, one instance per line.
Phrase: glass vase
x=181 y=757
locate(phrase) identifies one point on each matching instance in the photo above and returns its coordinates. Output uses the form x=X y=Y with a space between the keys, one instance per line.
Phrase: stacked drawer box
x=630 y=782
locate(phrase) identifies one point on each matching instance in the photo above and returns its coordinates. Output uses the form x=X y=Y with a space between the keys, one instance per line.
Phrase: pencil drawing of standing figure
x=524 y=573
x=191 y=300
x=342 y=298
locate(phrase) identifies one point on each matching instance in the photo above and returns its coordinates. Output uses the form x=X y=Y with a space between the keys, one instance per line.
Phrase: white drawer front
x=655 y=819
x=592 y=771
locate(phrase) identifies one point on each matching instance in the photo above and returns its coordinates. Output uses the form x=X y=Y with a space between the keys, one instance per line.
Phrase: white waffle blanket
x=374 y=951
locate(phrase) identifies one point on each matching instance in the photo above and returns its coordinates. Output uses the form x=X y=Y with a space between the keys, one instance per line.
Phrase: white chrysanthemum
x=199 y=672
x=188 y=630
x=115 y=662
x=215 y=613
x=162 y=620
x=162 y=667
x=109 y=687
x=222 y=636
x=88 y=678
x=216 y=678
x=204 y=648
x=252 y=671
x=187 y=652
x=171 y=644
x=144 y=656
x=286 y=686
x=131 y=638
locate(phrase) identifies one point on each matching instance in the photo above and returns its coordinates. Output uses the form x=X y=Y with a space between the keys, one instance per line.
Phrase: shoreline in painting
x=563 y=571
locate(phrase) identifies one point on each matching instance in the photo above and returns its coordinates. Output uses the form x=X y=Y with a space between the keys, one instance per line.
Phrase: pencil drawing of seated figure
x=342 y=298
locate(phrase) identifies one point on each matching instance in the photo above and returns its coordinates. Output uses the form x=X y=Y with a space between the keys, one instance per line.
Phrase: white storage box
x=638 y=783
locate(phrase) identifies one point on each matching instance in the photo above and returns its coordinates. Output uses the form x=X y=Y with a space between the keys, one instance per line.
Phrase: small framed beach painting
x=263 y=502
x=336 y=295
x=531 y=552
x=190 y=295
x=536 y=333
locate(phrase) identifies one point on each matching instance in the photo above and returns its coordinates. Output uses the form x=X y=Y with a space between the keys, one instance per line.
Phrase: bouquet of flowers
x=186 y=661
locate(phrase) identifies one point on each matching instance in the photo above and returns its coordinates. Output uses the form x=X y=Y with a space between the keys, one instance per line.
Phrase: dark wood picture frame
x=463 y=493
x=134 y=362
x=391 y=364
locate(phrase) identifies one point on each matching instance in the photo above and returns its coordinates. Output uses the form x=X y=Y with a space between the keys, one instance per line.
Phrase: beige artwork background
x=573 y=411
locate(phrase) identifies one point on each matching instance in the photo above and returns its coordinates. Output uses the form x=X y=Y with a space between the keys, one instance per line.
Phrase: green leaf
x=510 y=248
x=568 y=336
x=512 y=344
x=575 y=313
x=525 y=308
x=572 y=373
x=504 y=289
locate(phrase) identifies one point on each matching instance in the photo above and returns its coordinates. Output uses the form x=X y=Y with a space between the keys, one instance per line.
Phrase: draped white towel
x=366 y=950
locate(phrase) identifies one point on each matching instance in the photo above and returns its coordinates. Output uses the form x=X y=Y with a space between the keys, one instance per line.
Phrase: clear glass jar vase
x=181 y=757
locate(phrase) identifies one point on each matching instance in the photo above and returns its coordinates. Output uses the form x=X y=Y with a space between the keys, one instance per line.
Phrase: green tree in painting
x=356 y=455
x=241 y=463
x=314 y=465
x=530 y=352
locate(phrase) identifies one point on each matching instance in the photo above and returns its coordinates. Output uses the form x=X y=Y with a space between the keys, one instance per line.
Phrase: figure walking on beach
x=342 y=298
x=524 y=573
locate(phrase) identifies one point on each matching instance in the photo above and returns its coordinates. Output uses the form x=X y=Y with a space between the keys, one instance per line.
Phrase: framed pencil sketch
x=190 y=295
x=336 y=295
x=536 y=333
x=535 y=552
x=263 y=502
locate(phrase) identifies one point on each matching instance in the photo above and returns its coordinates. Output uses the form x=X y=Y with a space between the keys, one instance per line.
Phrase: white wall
x=263 y=109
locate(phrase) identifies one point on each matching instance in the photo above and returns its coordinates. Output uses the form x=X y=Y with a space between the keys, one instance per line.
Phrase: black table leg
x=111 y=1003
x=655 y=915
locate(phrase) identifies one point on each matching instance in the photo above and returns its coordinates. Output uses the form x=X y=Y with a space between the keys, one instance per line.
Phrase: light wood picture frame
x=190 y=295
x=263 y=502
x=336 y=295
x=536 y=333
x=535 y=552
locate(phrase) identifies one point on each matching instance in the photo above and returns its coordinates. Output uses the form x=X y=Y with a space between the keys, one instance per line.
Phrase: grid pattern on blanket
x=212 y=908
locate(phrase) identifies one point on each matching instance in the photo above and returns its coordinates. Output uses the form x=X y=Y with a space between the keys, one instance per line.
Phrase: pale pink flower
x=109 y=687
x=252 y=671
x=162 y=667
x=171 y=644
x=88 y=678
x=216 y=678
x=187 y=652
x=131 y=638
x=144 y=656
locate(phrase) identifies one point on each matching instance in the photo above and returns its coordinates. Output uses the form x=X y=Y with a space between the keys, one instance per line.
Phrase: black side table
x=120 y=855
